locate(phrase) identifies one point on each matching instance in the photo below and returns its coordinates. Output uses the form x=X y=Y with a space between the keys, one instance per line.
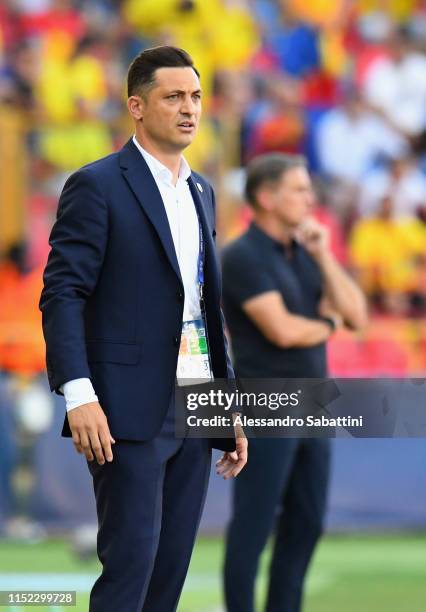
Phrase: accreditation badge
x=193 y=365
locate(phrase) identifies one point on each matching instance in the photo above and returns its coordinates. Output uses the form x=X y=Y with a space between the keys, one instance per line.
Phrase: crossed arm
x=343 y=302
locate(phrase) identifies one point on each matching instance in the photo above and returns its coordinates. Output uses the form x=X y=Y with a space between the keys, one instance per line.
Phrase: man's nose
x=310 y=200
x=188 y=106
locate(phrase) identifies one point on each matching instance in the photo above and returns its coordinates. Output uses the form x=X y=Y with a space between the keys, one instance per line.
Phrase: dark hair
x=141 y=75
x=268 y=169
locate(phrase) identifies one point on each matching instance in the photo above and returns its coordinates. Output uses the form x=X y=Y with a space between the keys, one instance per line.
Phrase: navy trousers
x=149 y=502
x=283 y=486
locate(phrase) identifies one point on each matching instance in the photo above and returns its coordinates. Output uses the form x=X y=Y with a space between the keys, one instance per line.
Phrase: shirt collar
x=270 y=242
x=159 y=170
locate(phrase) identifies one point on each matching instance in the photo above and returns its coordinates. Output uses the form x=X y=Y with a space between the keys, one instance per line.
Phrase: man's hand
x=231 y=464
x=90 y=432
x=314 y=236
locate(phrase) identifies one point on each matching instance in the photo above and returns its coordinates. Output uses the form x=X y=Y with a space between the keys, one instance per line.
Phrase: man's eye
x=172 y=97
x=196 y=97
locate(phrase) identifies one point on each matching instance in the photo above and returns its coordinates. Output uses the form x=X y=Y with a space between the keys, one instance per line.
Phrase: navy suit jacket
x=113 y=295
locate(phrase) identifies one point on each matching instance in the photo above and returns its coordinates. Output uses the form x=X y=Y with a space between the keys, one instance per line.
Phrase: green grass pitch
x=348 y=574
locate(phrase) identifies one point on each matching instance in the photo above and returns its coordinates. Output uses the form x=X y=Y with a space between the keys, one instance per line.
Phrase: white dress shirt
x=184 y=227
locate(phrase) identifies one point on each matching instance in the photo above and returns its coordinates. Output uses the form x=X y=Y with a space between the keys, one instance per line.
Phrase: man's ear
x=264 y=199
x=135 y=106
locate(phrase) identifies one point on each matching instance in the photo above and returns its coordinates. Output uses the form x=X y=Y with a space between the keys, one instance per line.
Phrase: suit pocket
x=112 y=352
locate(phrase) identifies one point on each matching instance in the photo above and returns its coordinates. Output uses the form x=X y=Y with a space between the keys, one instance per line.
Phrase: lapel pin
x=200 y=187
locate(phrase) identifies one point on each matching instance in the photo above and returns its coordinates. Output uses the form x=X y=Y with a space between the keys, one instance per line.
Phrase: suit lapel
x=199 y=205
x=210 y=264
x=137 y=174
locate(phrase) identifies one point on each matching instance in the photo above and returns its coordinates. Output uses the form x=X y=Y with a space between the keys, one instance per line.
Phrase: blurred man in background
x=284 y=296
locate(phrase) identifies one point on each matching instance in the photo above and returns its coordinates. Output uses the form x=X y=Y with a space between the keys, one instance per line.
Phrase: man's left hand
x=231 y=463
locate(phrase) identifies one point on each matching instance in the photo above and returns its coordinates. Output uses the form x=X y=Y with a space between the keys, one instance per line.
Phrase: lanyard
x=201 y=251
x=200 y=264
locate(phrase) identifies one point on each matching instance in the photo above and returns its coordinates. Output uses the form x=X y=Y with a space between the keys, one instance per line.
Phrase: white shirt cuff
x=78 y=392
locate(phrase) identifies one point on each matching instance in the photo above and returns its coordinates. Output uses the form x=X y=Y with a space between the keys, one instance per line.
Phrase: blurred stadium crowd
x=341 y=81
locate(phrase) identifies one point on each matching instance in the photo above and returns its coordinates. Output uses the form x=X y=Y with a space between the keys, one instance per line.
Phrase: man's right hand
x=90 y=432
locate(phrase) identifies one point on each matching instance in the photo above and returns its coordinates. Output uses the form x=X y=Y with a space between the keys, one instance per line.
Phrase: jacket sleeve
x=78 y=242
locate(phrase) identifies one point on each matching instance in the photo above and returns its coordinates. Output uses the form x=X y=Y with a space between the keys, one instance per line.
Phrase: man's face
x=293 y=197
x=170 y=111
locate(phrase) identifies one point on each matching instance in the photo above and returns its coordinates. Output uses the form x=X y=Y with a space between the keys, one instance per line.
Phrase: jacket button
x=175 y=340
x=180 y=296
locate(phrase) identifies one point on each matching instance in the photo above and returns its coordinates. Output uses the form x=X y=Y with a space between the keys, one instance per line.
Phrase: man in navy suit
x=132 y=265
